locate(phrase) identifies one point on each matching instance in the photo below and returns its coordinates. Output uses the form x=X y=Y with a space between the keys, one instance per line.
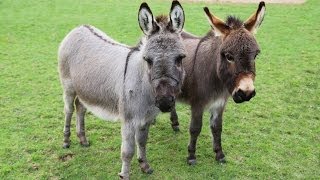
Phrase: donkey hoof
x=192 y=162
x=176 y=128
x=220 y=157
x=84 y=144
x=145 y=167
x=121 y=176
x=66 y=145
x=148 y=171
x=222 y=160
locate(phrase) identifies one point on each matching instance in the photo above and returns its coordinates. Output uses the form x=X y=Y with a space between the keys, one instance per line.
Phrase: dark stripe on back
x=100 y=36
x=132 y=50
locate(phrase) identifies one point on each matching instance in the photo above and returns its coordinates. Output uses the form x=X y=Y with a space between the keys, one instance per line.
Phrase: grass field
x=276 y=135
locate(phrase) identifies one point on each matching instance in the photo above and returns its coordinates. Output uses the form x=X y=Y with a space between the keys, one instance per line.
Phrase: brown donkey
x=218 y=65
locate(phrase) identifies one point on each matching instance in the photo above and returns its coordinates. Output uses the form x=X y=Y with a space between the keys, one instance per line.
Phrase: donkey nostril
x=241 y=94
x=170 y=98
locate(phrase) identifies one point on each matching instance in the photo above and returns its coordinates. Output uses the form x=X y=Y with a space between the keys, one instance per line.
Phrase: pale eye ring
x=229 y=57
x=178 y=59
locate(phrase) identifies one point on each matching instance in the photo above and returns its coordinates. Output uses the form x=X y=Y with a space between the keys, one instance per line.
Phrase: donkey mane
x=162 y=19
x=234 y=22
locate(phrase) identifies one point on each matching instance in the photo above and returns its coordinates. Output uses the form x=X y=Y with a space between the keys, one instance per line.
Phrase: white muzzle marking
x=245 y=84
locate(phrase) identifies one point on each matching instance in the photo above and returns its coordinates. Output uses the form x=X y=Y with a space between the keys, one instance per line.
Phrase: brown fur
x=214 y=68
x=162 y=18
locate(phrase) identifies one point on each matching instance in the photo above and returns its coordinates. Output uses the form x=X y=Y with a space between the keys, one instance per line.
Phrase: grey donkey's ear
x=146 y=21
x=176 y=16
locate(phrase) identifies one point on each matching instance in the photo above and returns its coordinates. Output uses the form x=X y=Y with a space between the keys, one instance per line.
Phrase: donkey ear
x=146 y=21
x=219 y=26
x=176 y=16
x=255 y=20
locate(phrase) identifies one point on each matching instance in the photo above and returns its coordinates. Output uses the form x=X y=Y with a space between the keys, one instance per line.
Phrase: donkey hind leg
x=195 y=129
x=141 y=137
x=68 y=97
x=174 y=120
x=81 y=111
x=216 y=129
x=127 y=147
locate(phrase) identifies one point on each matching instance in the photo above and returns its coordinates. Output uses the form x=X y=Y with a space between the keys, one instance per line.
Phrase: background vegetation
x=275 y=135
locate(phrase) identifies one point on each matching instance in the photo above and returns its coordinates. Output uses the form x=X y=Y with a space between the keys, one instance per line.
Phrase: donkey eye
x=229 y=57
x=179 y=59
x=149 y=60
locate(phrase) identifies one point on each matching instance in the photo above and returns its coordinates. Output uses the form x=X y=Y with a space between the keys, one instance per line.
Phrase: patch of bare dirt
x=66 y=157
x=33 y=167
x=249 y=1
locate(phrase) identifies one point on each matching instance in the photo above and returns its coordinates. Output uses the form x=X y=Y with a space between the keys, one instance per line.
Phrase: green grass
x=276 y=135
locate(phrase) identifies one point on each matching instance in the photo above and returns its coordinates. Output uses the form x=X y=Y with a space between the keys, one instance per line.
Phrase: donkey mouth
x=240 y=97
x=166 y=109
x=165 y=104
x=237 y=99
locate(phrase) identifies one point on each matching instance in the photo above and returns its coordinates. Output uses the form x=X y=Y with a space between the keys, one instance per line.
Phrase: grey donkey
x=115 y=81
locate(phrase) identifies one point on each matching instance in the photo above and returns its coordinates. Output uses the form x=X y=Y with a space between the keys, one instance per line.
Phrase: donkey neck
x=202 y=83
x=208 y=52
x=205 y=71
x=133 y=50
x=136 y=68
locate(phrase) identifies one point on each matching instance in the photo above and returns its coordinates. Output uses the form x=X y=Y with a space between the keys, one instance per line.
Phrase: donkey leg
x=68 y=109
x=141 y=141
x=127 y=148
x=81 y=111
x=174 y=120
x=195 y=129
x=216 y=129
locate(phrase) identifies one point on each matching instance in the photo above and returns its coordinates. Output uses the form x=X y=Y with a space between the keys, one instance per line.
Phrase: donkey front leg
x=216 y=129
x=174 y=120
x=141 y=141
x=81 y=111
x=195 y=129
x=127 y=147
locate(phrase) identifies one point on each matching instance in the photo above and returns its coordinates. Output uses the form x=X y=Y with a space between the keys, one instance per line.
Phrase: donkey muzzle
x=241 y=96
x=244 y=90
x=165 y=103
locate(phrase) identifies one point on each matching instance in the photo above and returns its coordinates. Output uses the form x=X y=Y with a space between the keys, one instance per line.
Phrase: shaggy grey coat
x=115 y=81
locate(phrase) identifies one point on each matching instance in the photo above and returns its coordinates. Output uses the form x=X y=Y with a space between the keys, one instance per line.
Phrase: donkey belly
x=104 y=113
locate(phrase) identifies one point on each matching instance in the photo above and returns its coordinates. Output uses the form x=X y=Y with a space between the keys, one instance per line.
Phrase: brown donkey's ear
x=255 y=20
x=219 y=27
